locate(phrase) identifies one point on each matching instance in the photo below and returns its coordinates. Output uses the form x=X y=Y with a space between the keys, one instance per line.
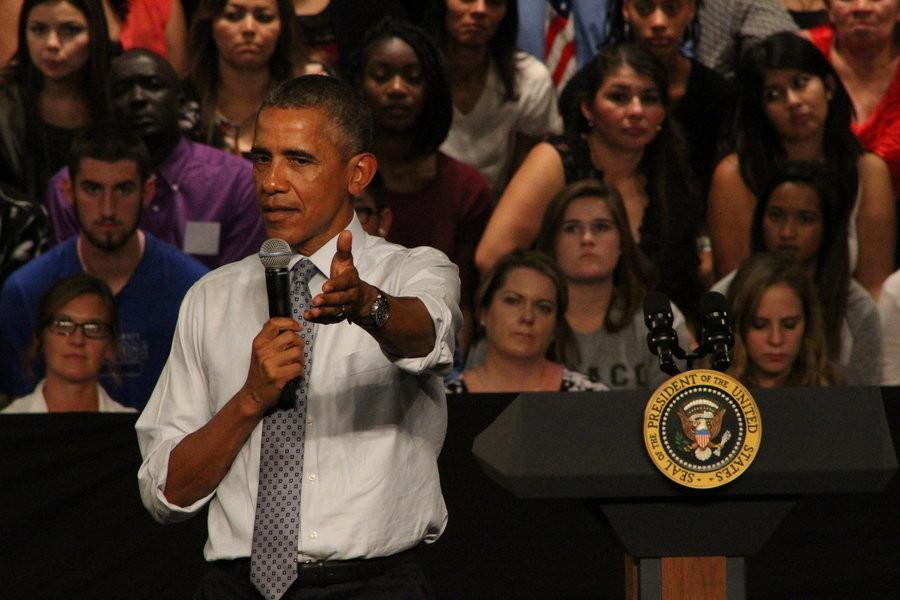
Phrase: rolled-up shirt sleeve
x=430 y=276
x=178 y=406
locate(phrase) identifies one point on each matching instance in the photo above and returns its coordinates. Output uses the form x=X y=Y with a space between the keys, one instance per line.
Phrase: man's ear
x=363 y=167
x=148 y=191
x=68 y=190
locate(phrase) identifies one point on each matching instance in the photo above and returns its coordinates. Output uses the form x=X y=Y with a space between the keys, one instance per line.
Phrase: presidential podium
x=686 y=543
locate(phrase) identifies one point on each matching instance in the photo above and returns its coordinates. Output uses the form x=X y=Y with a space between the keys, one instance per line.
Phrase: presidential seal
x=702 y=429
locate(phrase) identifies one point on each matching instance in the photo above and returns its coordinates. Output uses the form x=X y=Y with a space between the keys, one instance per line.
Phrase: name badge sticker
x=202 y=237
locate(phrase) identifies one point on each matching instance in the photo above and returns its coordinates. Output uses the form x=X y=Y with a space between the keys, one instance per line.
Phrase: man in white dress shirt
x=385 y=318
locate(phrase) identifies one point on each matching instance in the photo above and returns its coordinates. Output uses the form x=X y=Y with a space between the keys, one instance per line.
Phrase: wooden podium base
x=684 y=578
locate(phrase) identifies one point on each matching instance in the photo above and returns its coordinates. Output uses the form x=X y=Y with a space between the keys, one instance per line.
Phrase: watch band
x=378 y=313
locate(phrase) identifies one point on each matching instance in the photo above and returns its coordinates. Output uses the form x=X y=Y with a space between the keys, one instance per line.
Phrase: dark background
x=72 y=525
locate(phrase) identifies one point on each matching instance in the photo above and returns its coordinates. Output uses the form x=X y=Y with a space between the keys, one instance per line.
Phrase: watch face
x=380 y=311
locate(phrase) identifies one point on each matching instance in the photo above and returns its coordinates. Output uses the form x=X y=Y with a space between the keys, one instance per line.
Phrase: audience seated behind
x=504 y=101
x=521 y=305
x=589 y=27
x=239 y=51
x=53 y=86
x=332 y=30
x=109 y=187
x=157 y=25
x=863 y=44
x=24 y=229
x=807 y=14
x=702 y=100
x=632 y=146
x=889 y=313
x=205 y=201
x=779 y=339
x=800 y=216
x=75 y=332
x=435 y=200
x=372 y=208
x=728 y=28
x=586 y=231
x=792 y=106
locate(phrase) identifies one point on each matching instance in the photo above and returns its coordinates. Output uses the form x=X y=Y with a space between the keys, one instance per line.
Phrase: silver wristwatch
x=378 y=314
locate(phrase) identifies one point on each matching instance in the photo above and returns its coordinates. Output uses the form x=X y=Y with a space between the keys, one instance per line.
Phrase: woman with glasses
x=76 y=337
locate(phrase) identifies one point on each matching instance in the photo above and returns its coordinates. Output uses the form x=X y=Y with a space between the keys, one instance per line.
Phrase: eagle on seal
x=702 y=428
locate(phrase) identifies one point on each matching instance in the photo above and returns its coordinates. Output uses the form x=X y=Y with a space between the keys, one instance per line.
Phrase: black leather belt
x=329 y=572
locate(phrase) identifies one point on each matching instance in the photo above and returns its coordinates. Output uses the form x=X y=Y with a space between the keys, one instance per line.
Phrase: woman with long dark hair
x=504 y=101
x=54 y=85
x=792 y=106
x=435 y=200
x=702 y=100
x=799 y=215
x=240 y=50
x=632 y=146
x=586 y=231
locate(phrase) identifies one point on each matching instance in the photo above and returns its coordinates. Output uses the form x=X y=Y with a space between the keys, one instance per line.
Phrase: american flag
x=559 y=42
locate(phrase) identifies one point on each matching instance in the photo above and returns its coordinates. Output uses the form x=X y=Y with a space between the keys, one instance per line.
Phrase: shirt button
x=312 y=476
x=309 y=420
x=314 y=535
x=154 y=207
x=174 y=187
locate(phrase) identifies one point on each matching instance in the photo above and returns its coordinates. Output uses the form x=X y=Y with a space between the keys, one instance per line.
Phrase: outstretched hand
x=344 y=295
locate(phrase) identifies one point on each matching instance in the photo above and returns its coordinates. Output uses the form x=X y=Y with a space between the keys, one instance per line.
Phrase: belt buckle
x=311 y=571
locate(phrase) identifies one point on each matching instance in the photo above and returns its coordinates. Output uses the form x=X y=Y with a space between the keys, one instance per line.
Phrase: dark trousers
x=404 y=581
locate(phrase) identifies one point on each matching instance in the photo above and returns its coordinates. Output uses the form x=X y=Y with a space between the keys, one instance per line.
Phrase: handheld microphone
x=662 y=338
x=716 y=336
x=275 y=256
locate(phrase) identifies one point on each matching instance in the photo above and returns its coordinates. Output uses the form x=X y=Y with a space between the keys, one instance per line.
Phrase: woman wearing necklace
x=521 y=306
x=241 y=49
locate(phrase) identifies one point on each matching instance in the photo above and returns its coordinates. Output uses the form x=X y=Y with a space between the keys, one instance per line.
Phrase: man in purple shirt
x=205 y=201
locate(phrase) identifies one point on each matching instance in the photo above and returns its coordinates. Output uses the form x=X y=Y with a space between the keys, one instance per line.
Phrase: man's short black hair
x=338 y=100
x=166 y=70
x=109 y=142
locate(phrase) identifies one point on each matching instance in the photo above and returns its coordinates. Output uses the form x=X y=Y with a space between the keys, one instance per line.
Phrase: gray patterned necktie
x=273 y=559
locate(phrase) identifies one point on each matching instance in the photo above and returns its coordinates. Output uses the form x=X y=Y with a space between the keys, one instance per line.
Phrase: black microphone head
x=713 y=302
x=275 y=253
x=656 y=303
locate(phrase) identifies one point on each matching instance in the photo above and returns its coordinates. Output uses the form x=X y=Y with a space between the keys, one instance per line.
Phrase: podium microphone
x=275 y=256
x=716 y=336
x=662 y=338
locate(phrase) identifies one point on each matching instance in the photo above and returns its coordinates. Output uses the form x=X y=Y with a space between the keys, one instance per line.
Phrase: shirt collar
x=171 y=168
x=323 y=256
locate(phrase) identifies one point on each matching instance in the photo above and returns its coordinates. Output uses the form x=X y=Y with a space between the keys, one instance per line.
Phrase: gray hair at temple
x=345 y=109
